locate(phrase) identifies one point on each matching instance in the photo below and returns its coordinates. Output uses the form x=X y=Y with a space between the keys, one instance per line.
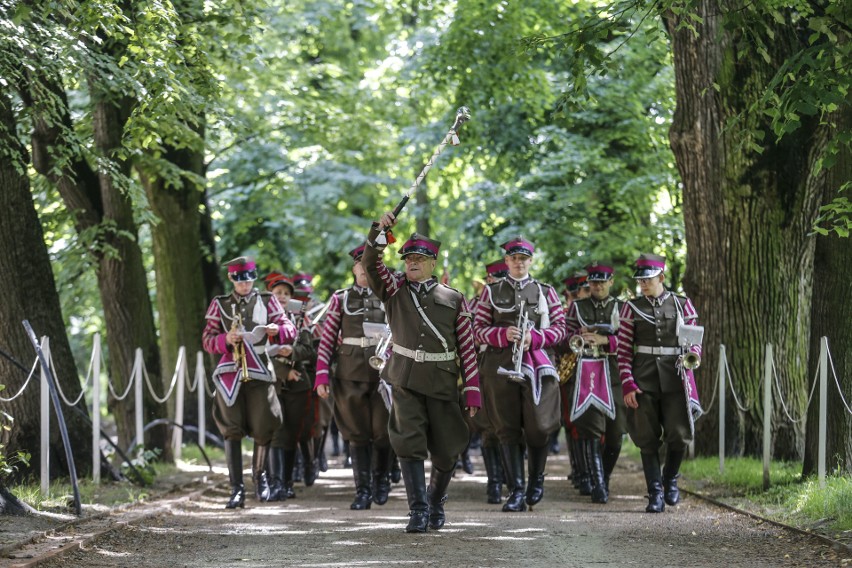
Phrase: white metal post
x=722 y=377
x=140 y=426
x=177 y=431
x=201 y=382
x=767 y=414
x=96 y=409
x=44 y=405
x=823 y=408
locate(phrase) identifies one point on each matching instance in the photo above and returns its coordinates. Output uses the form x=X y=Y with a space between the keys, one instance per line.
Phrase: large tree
x=30 y=294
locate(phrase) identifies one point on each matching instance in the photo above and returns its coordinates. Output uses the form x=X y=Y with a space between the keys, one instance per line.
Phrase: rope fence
x=138 y=377
x=181 y=382
x=771 y=384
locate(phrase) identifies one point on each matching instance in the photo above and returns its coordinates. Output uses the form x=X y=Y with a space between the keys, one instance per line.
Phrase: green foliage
x=144 y=464
x=9 y=463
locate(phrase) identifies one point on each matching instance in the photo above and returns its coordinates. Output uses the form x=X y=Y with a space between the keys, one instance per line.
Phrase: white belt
x=648 y=350
x=420 y=356
x=361 y=341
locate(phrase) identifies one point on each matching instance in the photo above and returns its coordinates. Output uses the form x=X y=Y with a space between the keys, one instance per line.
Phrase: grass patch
x=789 y=499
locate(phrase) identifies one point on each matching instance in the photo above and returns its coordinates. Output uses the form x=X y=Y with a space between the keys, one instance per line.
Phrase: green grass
x=789 y=499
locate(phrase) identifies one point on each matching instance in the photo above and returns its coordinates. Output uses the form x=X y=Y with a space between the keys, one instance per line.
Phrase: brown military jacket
x=442 y=305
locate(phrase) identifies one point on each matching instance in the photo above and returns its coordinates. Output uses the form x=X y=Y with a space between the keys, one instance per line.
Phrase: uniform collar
x=423 y=287
x=243 y=300
x=519 y=284
x=602 y=303
x=363 y=291
x=658 y=301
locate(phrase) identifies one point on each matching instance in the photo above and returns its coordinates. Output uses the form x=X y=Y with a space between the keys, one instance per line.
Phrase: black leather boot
x=585 y=475
x=537 y=459
x=609 y=459
x=395 y=471
x=258 y=472
x=437 y=496
x=494 y=471
x=298 y=465
x=319 y=451
x=234 y=459
x=670 y=474
x=347 y=454
x=464 y=461
x=599 y=490
x=276 y=474
x=381 y=475
x=574 y=476
x=653 y=479
x=289 y=465
x=361 y=474
x=414 y=476
x=311 y=467
x=514 y=473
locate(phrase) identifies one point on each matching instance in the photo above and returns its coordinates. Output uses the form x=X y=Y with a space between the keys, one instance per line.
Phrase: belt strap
x=420 y=356
x=648 y=350
x=361 y=341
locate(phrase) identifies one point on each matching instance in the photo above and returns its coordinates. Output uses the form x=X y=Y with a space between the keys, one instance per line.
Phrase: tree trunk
x=122 y=280
x=29 y=292
x=831 y=307
x=747 y=216
x=178 y=254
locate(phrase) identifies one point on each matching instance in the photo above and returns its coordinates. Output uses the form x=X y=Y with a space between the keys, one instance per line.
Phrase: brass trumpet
x=380 y=359
x=691 y=360
x=515 y=373
x=240 y=347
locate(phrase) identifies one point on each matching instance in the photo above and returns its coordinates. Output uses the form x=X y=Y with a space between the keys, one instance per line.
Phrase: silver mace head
x=462 y=116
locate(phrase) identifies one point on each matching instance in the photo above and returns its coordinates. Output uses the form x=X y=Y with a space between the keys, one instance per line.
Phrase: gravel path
x=318 y=529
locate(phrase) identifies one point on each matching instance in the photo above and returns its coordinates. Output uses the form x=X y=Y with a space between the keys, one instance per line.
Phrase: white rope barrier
x=168 y=394
x=24 y=387
x=837 y=382
x=82 y=387
x=133 y=373
x=733 y=392
x=777 y=385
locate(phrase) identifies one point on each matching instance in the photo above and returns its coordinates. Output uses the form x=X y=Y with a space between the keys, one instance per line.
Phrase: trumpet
x=379 y=360
x=515 y=373
x=240 y=347
x=689 y=335
x=577 y=344
x=691 y=360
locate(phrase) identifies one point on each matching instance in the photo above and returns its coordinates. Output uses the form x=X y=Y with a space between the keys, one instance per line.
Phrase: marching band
x=409 y=368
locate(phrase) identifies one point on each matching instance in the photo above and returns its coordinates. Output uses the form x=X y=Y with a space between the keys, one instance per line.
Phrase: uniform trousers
x=514 y=414
x=360 y=412
x=298 y=410
x=256 y=412
x=420 y=426
x=661 y=417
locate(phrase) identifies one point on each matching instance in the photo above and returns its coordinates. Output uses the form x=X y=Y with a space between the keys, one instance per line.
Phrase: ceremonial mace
x=462 y=116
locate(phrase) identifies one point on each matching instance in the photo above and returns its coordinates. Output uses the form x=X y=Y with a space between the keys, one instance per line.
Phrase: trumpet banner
x=592 y=388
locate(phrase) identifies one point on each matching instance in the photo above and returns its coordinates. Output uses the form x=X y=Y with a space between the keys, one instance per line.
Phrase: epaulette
x=222 y=298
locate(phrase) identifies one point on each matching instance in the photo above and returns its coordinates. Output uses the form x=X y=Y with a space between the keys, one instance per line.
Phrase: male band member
x=522 y=408
x=359 y=410
x=432 y=337
x=245 y=395
x=593 y=408
x=481 y=423
x=660 y=394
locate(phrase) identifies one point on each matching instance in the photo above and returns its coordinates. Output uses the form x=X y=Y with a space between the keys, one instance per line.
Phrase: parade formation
x=414 y=371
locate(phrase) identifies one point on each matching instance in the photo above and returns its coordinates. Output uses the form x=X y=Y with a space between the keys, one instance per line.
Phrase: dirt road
x=318 y=529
